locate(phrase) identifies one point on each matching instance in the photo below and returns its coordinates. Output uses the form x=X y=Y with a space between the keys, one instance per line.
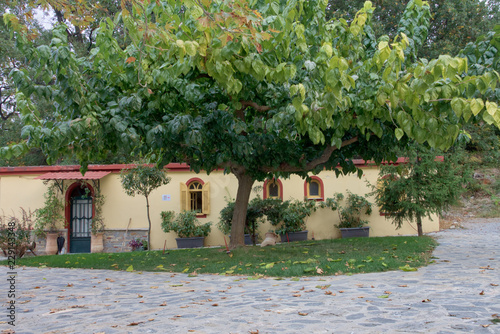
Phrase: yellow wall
x=119 y=209
x=20 y=191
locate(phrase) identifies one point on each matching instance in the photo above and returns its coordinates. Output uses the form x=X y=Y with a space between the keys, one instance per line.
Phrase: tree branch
x=327 y=153
x=245 y=104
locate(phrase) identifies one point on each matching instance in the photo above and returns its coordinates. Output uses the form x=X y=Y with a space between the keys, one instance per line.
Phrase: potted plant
x=351 y=224
x=290 y=218
x=191 y=233
x=138 y=244
x=97 y=225
x=254 y=212
x=47 y=219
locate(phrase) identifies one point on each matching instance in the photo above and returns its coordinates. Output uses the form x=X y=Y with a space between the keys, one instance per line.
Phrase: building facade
x=125 y=216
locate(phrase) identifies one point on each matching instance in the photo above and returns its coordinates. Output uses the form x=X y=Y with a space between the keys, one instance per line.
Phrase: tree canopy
x=255 y=87
x=453 y=23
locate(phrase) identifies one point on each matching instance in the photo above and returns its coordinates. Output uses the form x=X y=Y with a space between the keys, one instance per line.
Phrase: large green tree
x=255 y=87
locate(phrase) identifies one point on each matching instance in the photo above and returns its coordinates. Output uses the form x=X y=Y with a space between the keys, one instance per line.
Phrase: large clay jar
x=51 y=244
x=97 y=242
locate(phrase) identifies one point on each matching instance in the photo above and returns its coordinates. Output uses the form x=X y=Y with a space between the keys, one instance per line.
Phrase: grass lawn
x=324 y=257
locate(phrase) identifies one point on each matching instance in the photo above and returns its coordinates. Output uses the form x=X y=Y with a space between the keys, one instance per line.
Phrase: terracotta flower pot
x=51 y=244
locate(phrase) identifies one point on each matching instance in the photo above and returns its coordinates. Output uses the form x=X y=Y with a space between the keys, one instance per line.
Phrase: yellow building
x=125 y=216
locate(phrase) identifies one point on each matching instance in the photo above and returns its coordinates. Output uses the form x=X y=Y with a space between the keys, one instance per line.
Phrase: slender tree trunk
x=419 y=226
x=245 y=183
x=149 y=222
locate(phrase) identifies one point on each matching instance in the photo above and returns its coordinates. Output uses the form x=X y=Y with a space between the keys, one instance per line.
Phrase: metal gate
x=81 y=218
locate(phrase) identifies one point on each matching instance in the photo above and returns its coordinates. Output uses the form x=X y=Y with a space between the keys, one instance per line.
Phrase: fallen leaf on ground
x=69 y=285
x=254 y=332
x=215 y=304
x=403 y=286
x=109 y=279
x=493 y=284
x=296 y=295
x=135 y=323
x=329 y=293
x=426 y=300
x=482 y=293
x=303 y=313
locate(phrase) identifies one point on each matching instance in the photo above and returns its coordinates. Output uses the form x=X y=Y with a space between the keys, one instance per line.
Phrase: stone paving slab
x=457 y=294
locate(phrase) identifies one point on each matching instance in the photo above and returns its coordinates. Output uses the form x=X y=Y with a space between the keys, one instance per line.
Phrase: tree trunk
x=419 y=226
x=149 y=222
x=245 y=183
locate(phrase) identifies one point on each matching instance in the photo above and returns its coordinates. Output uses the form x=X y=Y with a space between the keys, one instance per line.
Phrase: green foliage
x=350 y=209
x=452 y=26
x=186 y=225
x=422 y=186
x=97 y=224
x=142 y=180
x=15 y=233
x=255 y=211
x=50 y=214
x=294 y=216
x=254 y=87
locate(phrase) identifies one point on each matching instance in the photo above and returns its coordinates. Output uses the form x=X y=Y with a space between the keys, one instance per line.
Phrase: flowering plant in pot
x=138 y=244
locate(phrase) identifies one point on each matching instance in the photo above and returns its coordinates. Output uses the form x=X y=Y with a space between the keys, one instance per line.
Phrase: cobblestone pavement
x=459 y=293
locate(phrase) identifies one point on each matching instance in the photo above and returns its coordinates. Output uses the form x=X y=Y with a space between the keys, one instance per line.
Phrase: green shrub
x=186 y=225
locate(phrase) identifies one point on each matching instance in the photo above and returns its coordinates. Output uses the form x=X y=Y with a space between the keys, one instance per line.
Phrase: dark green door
x=81 y=217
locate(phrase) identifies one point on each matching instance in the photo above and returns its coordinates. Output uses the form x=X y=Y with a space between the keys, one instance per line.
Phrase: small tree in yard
x=142 y=180
x=424 y=185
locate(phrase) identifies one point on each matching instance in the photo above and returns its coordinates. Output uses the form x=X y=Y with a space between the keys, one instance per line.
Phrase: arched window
x=314 y=189
x=195 y=196
x=273 y=189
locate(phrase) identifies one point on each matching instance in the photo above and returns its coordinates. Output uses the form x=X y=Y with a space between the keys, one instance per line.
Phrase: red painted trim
x=322 y=189
x=67 y=209
x=280 y=188
x=117 y=168
x=194 y=179
x=172 y=167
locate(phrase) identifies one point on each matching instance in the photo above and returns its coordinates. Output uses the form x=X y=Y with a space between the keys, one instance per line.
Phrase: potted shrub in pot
x=191 y=233
x=290 y=218
x=47 y=219
x=351 y=224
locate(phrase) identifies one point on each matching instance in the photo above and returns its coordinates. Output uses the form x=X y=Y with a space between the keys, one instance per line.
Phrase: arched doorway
x=80 y=217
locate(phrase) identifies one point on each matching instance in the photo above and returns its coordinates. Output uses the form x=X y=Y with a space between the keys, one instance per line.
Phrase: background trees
x=452 y=26
x=255 y=87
